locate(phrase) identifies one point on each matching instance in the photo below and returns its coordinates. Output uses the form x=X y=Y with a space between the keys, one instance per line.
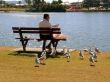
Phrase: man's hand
x=55 y=25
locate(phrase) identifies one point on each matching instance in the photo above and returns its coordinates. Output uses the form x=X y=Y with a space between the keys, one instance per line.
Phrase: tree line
x=42 y=6
x=37 y=5
x=96 y=3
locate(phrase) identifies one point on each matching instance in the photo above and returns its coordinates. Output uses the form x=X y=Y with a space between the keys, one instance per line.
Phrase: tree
x=43 y=1
x=88 y=3
x=37 y=5
x=28 y=2
x=54 y=2
x=96 y=3
x=57 y=2
x=106 y=3
x=36 y=2
x=91 y=3
x=19 y=2
x=42 y=6
x=1 y=1
x=60 y=1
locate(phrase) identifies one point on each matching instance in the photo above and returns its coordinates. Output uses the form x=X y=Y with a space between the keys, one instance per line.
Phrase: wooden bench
x=34 y=30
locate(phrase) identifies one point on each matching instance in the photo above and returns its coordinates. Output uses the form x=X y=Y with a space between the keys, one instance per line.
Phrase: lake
x=85 y=29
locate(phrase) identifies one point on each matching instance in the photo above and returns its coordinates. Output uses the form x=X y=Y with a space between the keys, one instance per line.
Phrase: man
x=45 y=24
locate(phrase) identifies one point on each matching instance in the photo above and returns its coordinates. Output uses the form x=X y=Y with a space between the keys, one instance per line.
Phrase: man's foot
x=49 y=48
x=53 y=53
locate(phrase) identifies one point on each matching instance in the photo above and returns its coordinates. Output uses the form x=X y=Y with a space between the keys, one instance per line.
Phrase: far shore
x=73 y=10
x=89 y=11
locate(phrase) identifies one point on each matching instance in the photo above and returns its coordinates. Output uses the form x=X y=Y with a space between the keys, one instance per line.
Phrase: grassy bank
x=19 y=68
x=12 y=9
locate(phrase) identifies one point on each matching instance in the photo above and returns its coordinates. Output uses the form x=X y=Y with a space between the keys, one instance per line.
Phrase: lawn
x=19 y=68
x=12 y=9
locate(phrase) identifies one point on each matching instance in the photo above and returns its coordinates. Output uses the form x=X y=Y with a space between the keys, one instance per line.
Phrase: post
x=22 y=40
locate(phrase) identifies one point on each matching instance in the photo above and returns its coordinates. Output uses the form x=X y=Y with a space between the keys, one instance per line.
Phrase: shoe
x=49 y=48
x=53 y=53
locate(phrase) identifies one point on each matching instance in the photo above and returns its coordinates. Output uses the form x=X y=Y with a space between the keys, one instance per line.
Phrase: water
x=84 y=29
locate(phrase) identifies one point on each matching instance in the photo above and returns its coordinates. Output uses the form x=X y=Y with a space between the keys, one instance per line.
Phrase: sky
x=52 y=0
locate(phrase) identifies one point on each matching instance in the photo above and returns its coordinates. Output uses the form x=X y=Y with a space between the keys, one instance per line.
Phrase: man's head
x=46 y=16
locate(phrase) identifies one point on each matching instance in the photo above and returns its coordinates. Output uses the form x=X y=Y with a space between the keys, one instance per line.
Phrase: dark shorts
x=46 y=36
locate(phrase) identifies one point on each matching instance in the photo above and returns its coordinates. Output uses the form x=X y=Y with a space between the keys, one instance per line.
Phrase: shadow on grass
x=24 y=53
x=32 y=54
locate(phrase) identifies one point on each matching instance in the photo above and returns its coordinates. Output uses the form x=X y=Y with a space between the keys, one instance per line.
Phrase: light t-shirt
x=44 y=24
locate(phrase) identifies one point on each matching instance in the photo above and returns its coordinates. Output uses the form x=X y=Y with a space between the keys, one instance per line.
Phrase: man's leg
x=49 y=45
x=53 y=51
x=44 y=43
x=56 y=43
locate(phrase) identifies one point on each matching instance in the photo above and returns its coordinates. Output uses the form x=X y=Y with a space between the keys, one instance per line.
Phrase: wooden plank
x=15 y=29
x=35 y=30
x=26 y=38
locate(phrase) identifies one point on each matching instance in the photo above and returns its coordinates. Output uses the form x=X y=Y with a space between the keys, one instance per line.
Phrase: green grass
x=18 y=68
x=12 y=9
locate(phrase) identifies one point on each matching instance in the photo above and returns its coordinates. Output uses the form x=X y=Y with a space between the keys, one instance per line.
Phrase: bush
x=48 y=8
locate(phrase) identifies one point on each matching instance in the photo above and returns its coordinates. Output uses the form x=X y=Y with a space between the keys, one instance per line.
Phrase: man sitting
x=45 y=24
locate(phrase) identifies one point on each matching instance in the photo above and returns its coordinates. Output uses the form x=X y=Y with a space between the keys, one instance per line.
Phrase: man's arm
x=56 y=26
